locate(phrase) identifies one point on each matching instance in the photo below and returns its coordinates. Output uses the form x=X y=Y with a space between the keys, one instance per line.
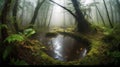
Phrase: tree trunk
x=100 y=14
x=39 y=4
x=4 y=18
x=50 y=16
x=21 y=16
x=111 y=9
x=108 y=14
x=97 y=20
x=47 y=13
x=15 y=15
x=64 y=16
x=118 y=6
x=118 y=3
x=82 y=25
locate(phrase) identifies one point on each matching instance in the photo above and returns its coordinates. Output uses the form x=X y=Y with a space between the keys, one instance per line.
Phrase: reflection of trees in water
x=65 y=48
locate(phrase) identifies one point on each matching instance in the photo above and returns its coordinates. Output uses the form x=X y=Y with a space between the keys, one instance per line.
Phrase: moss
x=51 y=34
x=49 y=60
x=34 y=54
x=92 y=57
x=113 y=41
x=95 y=56
x=58 y=29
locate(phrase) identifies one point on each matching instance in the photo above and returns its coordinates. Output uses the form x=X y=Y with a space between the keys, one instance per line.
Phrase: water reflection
x=65 y=48
x=84 y=52
x=57 y=43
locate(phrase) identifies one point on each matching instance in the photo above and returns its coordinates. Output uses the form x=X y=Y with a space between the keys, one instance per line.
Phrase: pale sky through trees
x=57 y=18
x=58 y=13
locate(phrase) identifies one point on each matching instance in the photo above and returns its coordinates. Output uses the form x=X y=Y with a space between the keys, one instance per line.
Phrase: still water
x=64 y=48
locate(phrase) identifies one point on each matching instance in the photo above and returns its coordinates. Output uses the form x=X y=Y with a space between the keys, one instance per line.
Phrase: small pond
x=64 y=48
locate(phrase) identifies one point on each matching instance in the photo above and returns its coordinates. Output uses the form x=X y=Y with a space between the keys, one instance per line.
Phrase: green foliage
x=113 y=40
x=116 y=30
x=6 y=52
x=47 y=60
x=29 y=32
x=17 y=62
x=3 y=26
x=21 y=36
x=107 y=31
x=91 y=60
x=114 y=54
x=14 y=37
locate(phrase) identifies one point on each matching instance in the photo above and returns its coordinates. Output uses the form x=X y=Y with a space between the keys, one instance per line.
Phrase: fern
x=3 y=26
x=14 y=37
x=29 y=32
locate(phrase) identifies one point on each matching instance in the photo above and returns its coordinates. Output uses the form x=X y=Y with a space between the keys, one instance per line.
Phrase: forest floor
x=33 y=54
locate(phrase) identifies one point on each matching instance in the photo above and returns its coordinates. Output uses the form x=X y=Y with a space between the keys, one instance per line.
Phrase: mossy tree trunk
x=15 y=10
x=4 y=18
x=82 y=24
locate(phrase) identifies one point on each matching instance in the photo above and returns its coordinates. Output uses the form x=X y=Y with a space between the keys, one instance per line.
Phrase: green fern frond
x=3 y=26
x=14 y=37
x=29 y=32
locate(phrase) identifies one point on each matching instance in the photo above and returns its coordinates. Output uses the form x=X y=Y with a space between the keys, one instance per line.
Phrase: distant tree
x=99 y=13
x=118 y=3
x=107 y=14
x=111 y=9
x=39 y=4
x=22 y=9
x=118 y=8
x=47 y=13
x=51 y=13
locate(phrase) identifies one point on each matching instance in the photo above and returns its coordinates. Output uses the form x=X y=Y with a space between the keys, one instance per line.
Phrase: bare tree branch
x=64 y=8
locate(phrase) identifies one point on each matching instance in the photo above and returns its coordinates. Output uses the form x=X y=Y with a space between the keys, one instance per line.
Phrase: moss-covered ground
x=34 y=54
